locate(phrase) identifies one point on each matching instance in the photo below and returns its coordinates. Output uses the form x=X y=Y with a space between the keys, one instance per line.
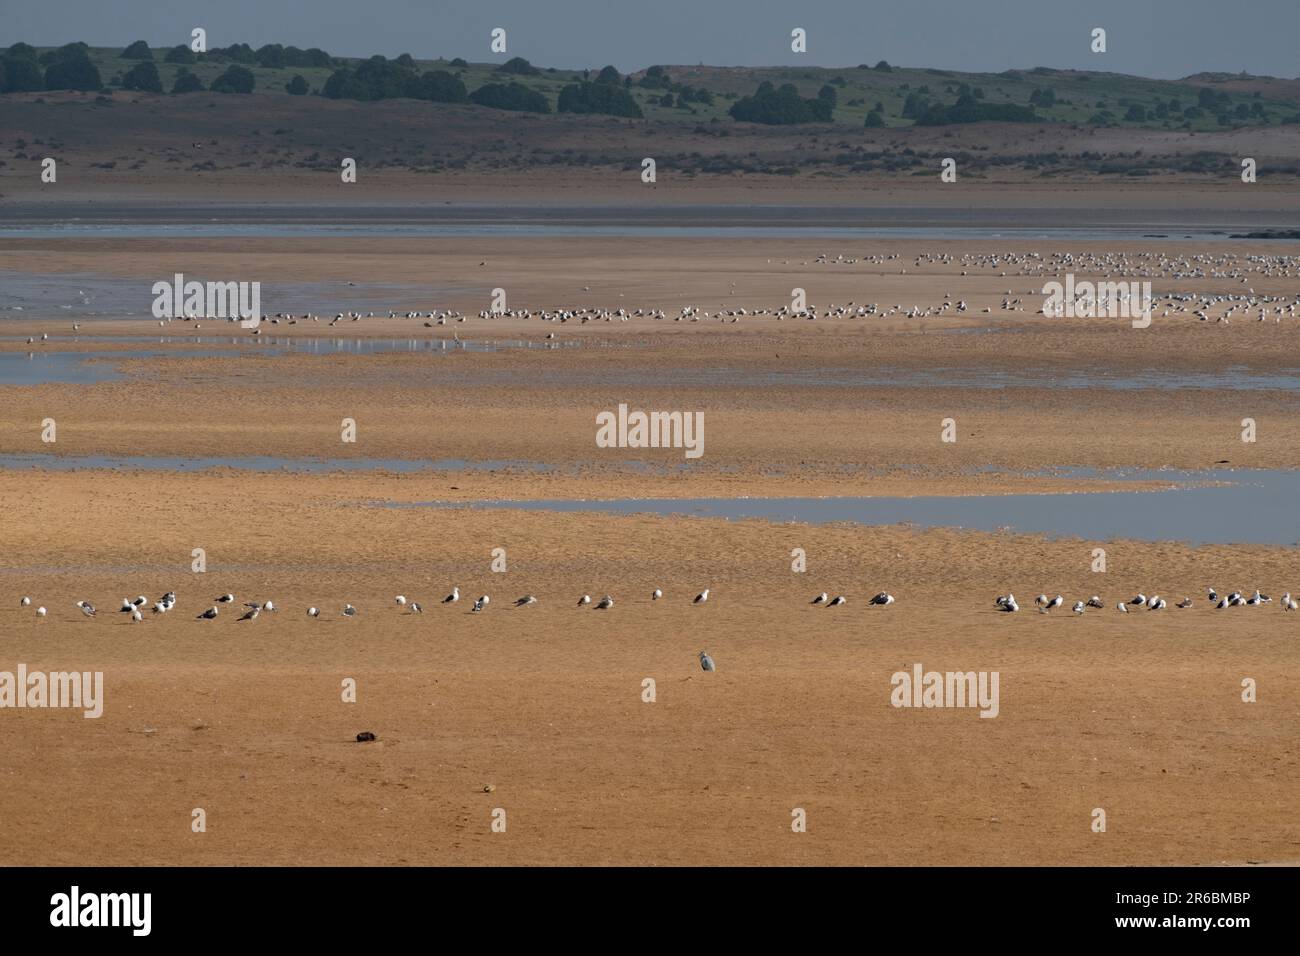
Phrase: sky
x=1157 y=38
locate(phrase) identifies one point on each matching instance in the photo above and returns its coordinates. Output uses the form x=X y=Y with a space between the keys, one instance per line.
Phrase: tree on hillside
x=296 y=87
x=439 y=86
x=71 y=69
x=518 y=66
x=609 y=99
x=180 y=54
x=874 y=119
x=144 y=77
x=510 y=96
x=236 y=79
x=608 y=75
x=139 y=50
x=187 y=82
x=22 y=72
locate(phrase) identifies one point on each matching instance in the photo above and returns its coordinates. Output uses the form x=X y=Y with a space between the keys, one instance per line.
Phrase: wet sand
x=1138 y=714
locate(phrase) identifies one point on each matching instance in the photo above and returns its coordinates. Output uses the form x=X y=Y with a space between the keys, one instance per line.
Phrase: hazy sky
x=1162 y=38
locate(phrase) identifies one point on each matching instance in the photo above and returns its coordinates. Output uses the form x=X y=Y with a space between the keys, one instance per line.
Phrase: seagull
x=40 y=611
x=251 y=613
x=313 y=612
x=136 y=615
x=883 y=598
x=160 y=608
x=87 y=608
x=1138 y=600
x=1211 y=595
x=1288 y=603
x=1121 y=606
x=1054 y=602
x=1008 y=603
x=453 y=597
x=701 y=597
x=1153 y=600
x=126 y=608
x=140 y=601
x=1078 y=607
x=706 y=662
x=1158 y=605
x=415 y=608
x=479 y=604
x=1040 y=600
x=400 y=599
x=820 y=599
x=225 y=599
x=1185 y=602
x=656 y=594
x=1095 y=601
x=838 y=600
x=25 y=602
x=269 y=606
x=208 y=615
x=605 y=603
x=526 y=599
x=585 y=599
x=349 y=610
x=1223 y=602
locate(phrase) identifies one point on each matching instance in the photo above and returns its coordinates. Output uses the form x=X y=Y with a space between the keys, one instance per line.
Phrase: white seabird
x=479 y=605
x=1078 y=607
x=1121 y=606
x=1288 y=603
x=1139 y=600
x=1054 y=602
x=1223 y=602
x=605 y=603
x=349 y=610
x=251 y=613
x=820 y=599
x=1008 y=603
x=706 y=662
x=656 y=594
x=837 y=601
x=1095 y=601
x=882 y=599
x=87 y=608
x=225 y=599
x=526 y=600
x=25 y=602
x=313 y=612
x=208 y=615
x=1185 y=602
x=585 y=599
x=453 y=597
x=1157 y=605
x=136 y=615
x=40 y=611
x=400 y=599
x=701 y=597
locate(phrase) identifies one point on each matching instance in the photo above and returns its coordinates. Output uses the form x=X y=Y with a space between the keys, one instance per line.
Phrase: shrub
x=605 y=98
x=144 y=77
x=139 y=50
x=296 y=87
x=510 y=96
x=236 y=79
x=187 y=82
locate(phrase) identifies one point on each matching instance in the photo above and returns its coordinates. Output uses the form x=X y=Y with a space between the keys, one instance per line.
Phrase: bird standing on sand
x=251 y=613
x=701 y=597
x=706 y=662
x=400 y=599
x=1007 y=603
x=1288 y=603
x=1184 y=603
x=453 y=597
x=87 y=608
x=349 y=610
x=40 y=611
x=656 y=594
x=1121 y=606
x=882 y=599
x=313 y=612
x=1054 y=602
x=837 y=601
x=526 y=600
x=479 y=605
x=585 y=599
x=25 y=602
x=208 y=615
x=415 y=608
x=605 y=603
x=225 y=599
x=1138 y=600
x=136 y=615
x=1095 y=601
x=820 y=599
x=1078 y=607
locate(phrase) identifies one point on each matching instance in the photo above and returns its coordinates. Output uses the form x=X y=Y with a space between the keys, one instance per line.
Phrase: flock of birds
x=135 y=606
x=1007 y=602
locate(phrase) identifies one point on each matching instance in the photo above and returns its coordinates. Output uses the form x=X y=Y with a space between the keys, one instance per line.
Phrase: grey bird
x=585 y=599
x=225 y=599
x=605 y=603
x=349 y=610
x=87 y=608
x=251 y=614
x=208 y=615
x=706 y=662
x=415 y=607
x=525 y=600
x=479 y=605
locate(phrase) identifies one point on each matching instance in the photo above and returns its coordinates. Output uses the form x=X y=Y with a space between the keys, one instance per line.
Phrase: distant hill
x=899 y=96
